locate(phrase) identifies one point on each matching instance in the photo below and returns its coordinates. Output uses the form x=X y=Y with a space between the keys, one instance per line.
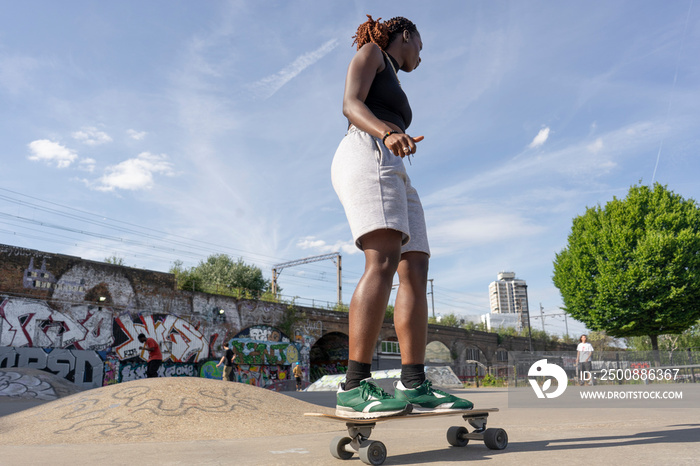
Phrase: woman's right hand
x=401 y=144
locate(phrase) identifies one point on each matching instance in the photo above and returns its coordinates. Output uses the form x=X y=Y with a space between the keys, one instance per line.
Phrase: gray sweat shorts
x=376 y=192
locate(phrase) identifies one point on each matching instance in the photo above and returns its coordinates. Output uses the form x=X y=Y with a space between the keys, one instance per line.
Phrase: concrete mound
x=162 y=410
x=18 y=383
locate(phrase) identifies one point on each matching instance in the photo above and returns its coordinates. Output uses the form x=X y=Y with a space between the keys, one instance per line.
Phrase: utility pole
x=335 y=257
x=542 y=315
x=432 y=296
x=529 y=327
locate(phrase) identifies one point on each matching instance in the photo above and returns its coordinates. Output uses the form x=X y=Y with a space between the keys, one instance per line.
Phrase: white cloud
x=620 y=145
x=596 y=146
x=87 y=164
x=310 y=242
x=474 y=227
x=135 y=174
x=50 y=152
x=267 y=86
x=540 y=139
x=91 y=136
x=137 y=135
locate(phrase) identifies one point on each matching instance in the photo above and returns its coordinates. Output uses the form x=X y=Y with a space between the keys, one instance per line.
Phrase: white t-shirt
x=585 y=351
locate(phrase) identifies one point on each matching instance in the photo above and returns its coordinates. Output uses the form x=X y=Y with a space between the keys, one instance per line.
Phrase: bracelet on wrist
x=387 y=134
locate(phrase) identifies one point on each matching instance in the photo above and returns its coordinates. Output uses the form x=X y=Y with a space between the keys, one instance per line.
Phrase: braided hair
x=381 y=33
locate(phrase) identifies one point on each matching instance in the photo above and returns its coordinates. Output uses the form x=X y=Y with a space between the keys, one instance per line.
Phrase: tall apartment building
x=508 y=295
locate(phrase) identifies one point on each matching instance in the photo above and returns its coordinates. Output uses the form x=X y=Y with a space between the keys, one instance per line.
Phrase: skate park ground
x=174 y=421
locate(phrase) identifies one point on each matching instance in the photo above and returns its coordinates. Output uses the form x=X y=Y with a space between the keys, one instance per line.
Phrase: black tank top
x=386 y=100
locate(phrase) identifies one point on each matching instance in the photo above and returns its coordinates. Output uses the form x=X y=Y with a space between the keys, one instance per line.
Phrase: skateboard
x=374 y=451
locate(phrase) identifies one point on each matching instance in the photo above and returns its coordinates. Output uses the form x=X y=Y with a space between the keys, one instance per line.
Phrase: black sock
x=412 y=375
x=357 y=371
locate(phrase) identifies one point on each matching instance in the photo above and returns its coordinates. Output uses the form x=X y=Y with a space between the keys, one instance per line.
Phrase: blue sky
x=170 y=130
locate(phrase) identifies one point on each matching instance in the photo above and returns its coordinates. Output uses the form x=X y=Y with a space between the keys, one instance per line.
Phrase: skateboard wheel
x=455 y=436
x=338 y=448
x=495 y=439
x=372 y=452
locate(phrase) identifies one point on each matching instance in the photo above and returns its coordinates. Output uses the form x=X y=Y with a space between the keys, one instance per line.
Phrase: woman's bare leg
x=411 y=307
x=382 y=250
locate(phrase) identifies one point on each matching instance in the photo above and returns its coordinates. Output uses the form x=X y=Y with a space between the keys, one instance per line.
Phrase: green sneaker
x=425 y=398
x=368 y=401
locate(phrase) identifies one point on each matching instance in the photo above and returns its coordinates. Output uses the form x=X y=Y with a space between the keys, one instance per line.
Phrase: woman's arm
x=365 y=65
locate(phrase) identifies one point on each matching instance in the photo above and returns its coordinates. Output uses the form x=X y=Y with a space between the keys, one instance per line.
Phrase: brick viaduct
x=92 y=311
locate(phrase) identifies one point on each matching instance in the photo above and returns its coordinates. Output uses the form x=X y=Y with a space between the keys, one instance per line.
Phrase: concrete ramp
x=443 y=376
x=162 y=409
x=32 y=384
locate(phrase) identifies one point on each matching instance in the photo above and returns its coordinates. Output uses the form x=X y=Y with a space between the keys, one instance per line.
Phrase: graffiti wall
x=84 y=368
x=25 y=322
x=96 y=350
x=180 y=340
x=264 y=356
x=137 y=370
x=80 y=320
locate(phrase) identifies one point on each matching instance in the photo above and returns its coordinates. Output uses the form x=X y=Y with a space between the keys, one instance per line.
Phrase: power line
x=113 y=236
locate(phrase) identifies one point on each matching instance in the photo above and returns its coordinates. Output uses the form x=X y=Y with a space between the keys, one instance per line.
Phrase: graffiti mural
x=262 y=333
x=264 y=352
x=137 y=370
x=25 y=386
x=261 y=376
x=264 y=356
x=111 y=370
x=180 y=341
x=84 y=368
x=43 y=279
x=264 y=345
x=33 y=323
x=208 y=370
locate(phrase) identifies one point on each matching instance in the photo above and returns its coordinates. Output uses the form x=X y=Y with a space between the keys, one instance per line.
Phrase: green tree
x=115 y=260
x=220 y=273
x=389 y=313
x=633 y=267
x=676 y=342
x=448 y=320
x=187 y=279
x=601 y=341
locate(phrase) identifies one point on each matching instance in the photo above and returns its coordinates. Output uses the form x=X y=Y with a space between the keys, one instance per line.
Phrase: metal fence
x=610 y=368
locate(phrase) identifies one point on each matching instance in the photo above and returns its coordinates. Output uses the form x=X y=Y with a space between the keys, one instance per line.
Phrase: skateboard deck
x=374 y=451
x=331 y=417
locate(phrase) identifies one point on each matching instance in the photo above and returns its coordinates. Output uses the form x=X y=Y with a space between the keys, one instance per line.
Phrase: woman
x=387 y=222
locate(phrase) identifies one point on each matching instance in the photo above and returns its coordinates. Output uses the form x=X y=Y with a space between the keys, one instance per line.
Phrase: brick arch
x=328 y=355
x=436 y=352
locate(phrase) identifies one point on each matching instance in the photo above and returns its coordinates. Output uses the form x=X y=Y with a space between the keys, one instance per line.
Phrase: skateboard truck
x=477 y=422
x=370 y=451
x=374 y=451
x=494 y=439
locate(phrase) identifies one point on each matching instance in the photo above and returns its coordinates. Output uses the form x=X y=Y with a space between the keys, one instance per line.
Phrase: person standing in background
x=227 y=360
x=155 y=357
x=297 y=375
x=584 y=357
